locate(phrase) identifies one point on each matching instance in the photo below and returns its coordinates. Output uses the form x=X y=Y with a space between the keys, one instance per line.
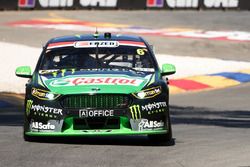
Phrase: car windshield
x=99 y=58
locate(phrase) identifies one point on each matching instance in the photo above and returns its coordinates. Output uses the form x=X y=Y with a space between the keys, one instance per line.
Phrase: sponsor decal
x=95 y=113
x=100 y=3
x=26 y=3
x=221 y=3
x=28 y=106
x=44 y=111
x=132 y=43
x=148 y=93
x=44 y=72
x=35 y=126
x=60 y=44
x=135 y=112
x=113 y=3
x=75 y=81
x=38 y=93
x=161 y=110
x=94 y=44
x=194 y=3
x=68 y=3
x=56 y=3
x=155 y=3
x=75 y=25
x=151 y=108
x=43 y=94
x=145 y=124
x=182 y=3
x=145 y=69
x=156 y=107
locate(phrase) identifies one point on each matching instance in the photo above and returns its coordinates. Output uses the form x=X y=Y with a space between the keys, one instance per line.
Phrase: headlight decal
x=43 y=94
x=148 y=93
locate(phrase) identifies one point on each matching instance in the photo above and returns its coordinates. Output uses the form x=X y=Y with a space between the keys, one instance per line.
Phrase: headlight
x=148 y=93
x=43 y=94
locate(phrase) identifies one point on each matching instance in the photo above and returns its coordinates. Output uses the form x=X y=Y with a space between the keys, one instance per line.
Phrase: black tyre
x=167 y=137
x=27 y=138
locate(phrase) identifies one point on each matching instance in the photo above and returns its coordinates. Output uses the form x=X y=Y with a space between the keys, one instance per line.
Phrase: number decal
x=141 y=51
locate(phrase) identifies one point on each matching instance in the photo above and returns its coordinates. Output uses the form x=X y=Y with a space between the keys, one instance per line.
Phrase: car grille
x=106 y=101
x=96 y=123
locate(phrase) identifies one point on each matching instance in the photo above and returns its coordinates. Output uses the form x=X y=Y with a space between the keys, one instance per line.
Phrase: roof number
x=141 y=52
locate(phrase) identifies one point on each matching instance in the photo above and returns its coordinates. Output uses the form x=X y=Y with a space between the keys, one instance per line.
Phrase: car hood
x=95 y=83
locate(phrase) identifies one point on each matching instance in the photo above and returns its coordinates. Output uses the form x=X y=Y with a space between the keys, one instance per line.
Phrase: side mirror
x=168 y=69
x=24 y=72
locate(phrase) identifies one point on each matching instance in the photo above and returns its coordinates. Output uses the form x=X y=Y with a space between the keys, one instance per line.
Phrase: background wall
x=125 y=4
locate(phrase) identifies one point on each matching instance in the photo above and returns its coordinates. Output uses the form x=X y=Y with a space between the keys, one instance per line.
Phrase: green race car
x=97 y=85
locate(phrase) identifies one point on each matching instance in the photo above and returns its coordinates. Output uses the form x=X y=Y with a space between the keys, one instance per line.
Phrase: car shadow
x=105 y=140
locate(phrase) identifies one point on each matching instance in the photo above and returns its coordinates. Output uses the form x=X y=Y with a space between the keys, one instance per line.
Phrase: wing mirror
x=24 y=72
x=168 y=69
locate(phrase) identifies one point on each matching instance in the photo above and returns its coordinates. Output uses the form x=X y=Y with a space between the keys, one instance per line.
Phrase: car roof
x=89 y=37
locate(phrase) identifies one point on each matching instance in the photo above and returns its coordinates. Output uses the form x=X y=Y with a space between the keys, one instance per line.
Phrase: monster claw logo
x=135 y=111
x=28 y=107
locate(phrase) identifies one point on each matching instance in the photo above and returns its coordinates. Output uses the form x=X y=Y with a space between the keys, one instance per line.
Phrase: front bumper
x=142 y=117
x=68 y=128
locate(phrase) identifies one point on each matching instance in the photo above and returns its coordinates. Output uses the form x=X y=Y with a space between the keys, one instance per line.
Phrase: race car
x=97 y=85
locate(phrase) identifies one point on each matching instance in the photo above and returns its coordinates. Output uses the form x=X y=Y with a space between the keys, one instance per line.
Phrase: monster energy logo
x=135 y=111
x=28 y=106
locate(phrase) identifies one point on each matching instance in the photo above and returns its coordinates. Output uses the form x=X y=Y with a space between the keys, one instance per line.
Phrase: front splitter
x=96 y=132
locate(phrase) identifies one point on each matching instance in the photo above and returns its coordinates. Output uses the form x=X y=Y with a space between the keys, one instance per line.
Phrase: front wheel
x=28 y=138
x=25 y=127
x=167 y=137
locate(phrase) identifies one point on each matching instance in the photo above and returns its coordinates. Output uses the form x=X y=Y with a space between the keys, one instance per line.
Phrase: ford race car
x=96 y=85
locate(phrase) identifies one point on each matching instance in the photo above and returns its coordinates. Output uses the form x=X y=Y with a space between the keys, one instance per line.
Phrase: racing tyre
x=167 y=137
x=27 y=138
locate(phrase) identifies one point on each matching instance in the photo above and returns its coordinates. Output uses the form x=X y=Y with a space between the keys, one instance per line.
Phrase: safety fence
x=125 y=4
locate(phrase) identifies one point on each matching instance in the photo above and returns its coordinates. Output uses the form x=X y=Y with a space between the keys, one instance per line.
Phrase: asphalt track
x=211 y=128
